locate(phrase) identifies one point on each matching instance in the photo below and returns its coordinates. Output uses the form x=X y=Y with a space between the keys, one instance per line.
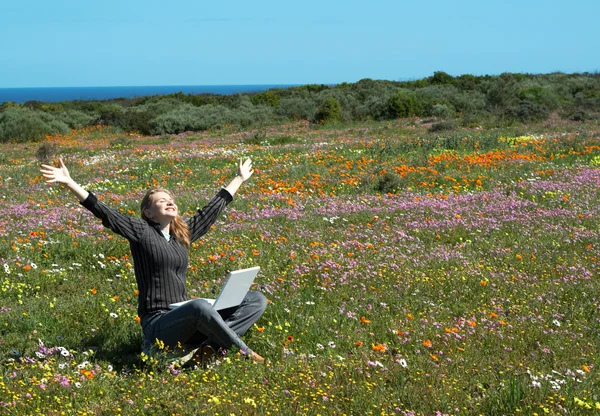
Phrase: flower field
x=406 y=273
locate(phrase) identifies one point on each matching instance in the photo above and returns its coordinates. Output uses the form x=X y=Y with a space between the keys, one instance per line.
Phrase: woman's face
x=162 y=208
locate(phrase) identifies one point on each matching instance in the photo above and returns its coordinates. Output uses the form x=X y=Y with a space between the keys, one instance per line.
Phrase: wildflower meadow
x=407 y=272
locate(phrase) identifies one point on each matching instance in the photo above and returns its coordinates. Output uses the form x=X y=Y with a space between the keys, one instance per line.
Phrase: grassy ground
x=407 y=273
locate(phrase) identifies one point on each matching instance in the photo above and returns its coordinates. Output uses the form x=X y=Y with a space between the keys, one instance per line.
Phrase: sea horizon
x=21 y=95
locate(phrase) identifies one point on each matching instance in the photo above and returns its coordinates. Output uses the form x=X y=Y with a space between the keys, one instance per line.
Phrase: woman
x=159 y=245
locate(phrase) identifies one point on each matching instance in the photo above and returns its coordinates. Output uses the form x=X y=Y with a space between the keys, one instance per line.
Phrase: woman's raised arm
x=61 y=175
x=131 y=228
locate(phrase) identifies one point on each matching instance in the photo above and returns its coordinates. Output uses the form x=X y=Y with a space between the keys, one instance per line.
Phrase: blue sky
x=191 y=42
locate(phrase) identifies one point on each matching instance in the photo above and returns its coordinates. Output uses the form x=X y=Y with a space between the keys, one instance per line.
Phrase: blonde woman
x=159 y=243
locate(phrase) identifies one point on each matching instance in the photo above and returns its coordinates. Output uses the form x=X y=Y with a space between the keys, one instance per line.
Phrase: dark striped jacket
x=160 y=266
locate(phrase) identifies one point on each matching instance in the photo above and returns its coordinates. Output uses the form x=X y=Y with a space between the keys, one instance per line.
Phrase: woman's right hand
x=60 y=174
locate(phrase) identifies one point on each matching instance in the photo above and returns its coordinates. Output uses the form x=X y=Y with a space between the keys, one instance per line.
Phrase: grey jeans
x=197 y=322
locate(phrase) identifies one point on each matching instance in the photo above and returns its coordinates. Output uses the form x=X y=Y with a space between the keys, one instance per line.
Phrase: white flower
x=555 y=322
x=536 y=384
x=320 y=346
x=33 y=266
x=403 y=362
x=83 y=365
x=331 y=344
x=64 y=352
x=62 y=366
x=113 y=315
x=110 y=368
x=39 y=354
x=78 y=384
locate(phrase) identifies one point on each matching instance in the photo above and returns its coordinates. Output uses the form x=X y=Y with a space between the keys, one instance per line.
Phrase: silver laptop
x=234 y=289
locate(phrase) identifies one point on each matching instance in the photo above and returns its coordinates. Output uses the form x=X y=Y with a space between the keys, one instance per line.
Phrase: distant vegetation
x=447 y=101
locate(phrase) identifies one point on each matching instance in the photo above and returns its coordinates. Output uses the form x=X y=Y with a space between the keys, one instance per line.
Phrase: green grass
x=470 y=288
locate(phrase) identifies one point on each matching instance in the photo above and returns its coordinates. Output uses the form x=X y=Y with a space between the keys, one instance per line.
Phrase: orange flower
x=137 y=319
x=87 y=373
x=433 y=357
x=493 y=315
x=27 y=267
x=137 y=292
x=260 y=328
x=482 y=282
x=427 y=343
x=518 y=256
x=94 y=291
x=364 y=320
x=409 y=316
x=290 y=338
x=586 y=369
x=472 y=323
x=115 y=298
x=378 y=347
x=358 y=343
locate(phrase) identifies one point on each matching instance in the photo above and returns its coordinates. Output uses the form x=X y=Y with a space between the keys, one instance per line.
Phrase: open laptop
x=232 y=292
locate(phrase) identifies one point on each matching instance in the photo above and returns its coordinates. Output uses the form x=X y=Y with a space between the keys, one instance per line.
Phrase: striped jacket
x=160 y=266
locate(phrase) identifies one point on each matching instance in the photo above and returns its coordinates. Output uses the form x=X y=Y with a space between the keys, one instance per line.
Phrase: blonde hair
x=178 y=226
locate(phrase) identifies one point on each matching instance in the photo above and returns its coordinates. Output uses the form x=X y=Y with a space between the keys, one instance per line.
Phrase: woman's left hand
x=245 y=169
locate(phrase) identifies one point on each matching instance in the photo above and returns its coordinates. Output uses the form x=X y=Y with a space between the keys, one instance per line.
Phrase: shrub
x=329 y=111
x=109 y=114
x=249 y=115
x=404 y=104
x=76 y=119
x=442 y=126
x=190 y=118
x=442 y=111
x=24 y=125
x=441 y=78
x=527 y=111
x=578 y=116
x=389 y=183
x=297 y=108
x=46 y=152
x=269 y=98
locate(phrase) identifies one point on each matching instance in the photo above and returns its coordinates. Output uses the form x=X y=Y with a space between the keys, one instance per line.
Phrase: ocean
x=21 y=95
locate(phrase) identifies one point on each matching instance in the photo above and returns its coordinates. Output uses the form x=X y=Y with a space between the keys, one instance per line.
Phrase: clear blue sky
x=192 y=42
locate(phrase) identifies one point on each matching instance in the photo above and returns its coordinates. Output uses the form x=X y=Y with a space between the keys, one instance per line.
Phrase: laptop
x=234 y=289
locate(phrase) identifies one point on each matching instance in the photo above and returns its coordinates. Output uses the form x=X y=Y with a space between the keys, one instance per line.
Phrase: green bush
x=25 y=125
x=269 y=98
x=389 y=183
x=441 y=78
x=329 y=111
x=579 y=115
x=442 y=126
x=404 y=104
x=46 y=152
x=76 y=119
x=297 y=108
x=442 y=111
x=526 y=112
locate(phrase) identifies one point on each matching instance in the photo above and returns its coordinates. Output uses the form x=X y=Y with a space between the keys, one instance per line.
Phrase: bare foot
x=255 y=357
